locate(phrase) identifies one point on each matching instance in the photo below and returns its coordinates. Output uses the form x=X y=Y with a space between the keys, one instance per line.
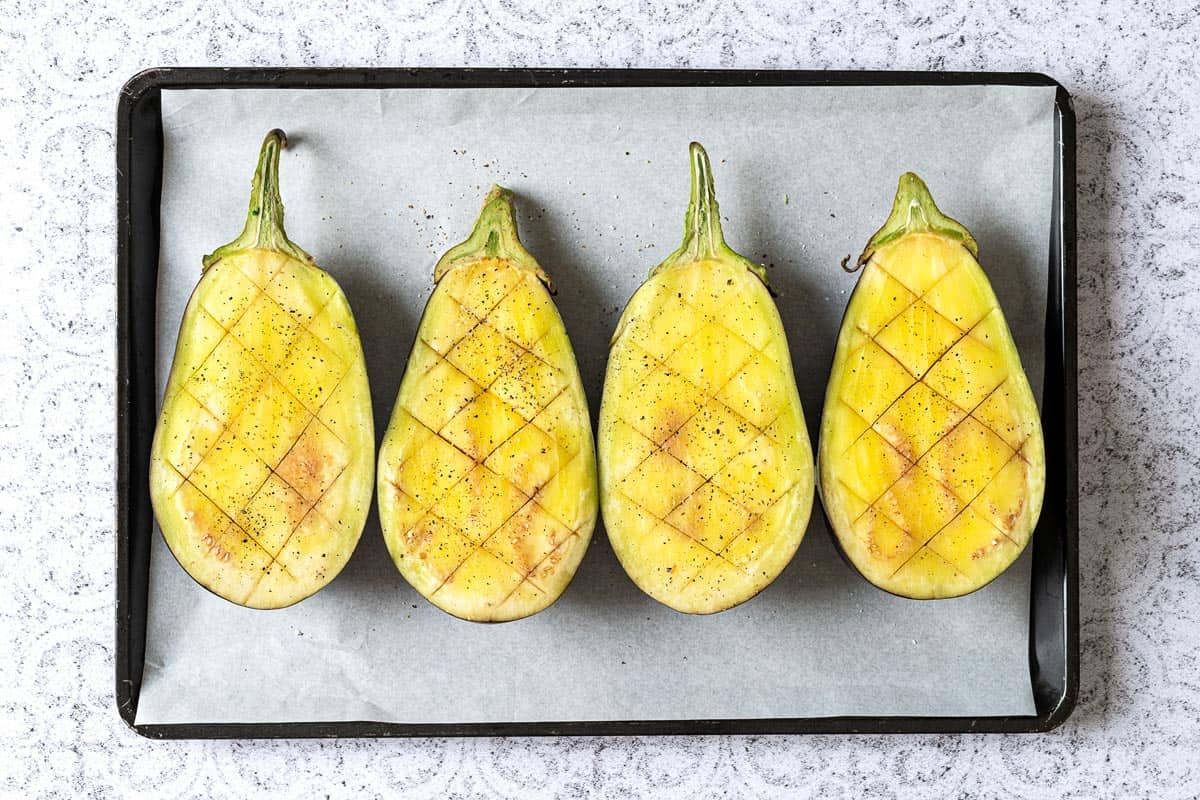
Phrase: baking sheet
x=378 y=183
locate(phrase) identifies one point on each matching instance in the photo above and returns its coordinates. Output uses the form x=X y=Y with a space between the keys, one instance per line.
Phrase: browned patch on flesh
x=309 y=461
x=672 y=419
x=895 y=435
x=518 y=537
x=212 y=547
x=983 y=551
x=1010 y=519
x=419 y=538
x=201 y=519
x=550 y=564
x=313 y=463
x=906 y=449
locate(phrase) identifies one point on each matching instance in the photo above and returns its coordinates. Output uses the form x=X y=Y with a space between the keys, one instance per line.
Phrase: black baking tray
x=1054 y=609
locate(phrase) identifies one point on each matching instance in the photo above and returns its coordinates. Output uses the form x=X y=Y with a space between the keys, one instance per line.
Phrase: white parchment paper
x=378 y=183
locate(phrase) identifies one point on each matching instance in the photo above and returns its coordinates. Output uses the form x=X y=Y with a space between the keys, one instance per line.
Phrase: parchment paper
x=377 y=184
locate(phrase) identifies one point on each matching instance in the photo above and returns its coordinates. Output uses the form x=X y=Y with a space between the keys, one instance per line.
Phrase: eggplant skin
x=487 y=473
x=932 y=463
x=261 y=464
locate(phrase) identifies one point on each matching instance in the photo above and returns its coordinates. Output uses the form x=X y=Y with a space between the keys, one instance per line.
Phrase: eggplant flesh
x=932 y=466
x=261 y=464
x=706 y=470
x=487 y=473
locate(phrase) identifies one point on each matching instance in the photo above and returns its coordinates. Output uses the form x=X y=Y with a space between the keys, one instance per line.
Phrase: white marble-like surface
x=1133 y=70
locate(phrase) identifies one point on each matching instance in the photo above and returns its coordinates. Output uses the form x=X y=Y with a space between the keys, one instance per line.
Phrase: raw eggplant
x=261 y=464
x=706 y=472
x=931 y=458
x=487 y=473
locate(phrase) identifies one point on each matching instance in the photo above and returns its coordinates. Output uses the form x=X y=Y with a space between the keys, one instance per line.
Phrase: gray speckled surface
x=1134 y=73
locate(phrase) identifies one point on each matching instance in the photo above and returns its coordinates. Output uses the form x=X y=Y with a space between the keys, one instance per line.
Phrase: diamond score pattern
x=717 y=427
x=478 y=488
x=929 y=347
x=274 y=458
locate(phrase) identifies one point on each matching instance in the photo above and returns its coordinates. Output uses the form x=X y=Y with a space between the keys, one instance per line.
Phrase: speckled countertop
x=1134 y=74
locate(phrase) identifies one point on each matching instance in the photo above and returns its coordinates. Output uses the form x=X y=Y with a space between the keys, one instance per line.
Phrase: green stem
x=264 y=221
x=913 y=211
x=703 y=238
x=702 y=234
x=494 y=236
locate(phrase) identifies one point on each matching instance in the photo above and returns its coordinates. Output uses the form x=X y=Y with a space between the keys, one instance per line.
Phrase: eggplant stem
x=703 y=237
x=913 y=211
x=494 y=236
x=264 y=220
